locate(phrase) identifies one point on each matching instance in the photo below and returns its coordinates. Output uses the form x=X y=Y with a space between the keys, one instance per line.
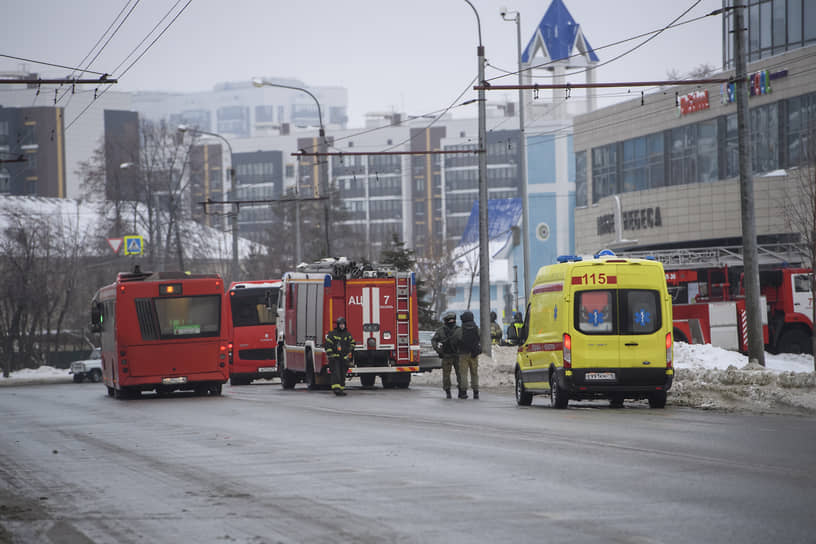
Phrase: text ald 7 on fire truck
x=380 y=308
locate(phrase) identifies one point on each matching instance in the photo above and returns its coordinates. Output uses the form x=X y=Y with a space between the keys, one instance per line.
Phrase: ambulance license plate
x=599 y=376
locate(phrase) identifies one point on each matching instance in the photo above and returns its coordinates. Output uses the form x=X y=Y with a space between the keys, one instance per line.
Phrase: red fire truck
x=380 y=308
x=252 y=318
x=709 y=307
x=161 y=332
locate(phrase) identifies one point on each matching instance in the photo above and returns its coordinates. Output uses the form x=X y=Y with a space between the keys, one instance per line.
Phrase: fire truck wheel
x=392 y=381
x=311 y=383
x=657 y=399
x=215 y=390
x=795 y=341
x=367 y=380
x=287 y=377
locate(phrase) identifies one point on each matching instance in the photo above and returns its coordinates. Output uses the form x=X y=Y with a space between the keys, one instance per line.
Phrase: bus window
x=188 y=316
x=249 y=308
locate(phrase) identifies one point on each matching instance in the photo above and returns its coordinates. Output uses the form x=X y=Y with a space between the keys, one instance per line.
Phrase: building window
x=581 y=196
x=683 y=155
x=604 y=171
x=765 y=138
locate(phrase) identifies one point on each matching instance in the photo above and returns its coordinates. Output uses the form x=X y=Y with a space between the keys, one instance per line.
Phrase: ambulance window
x=594 y=313
x=639 y=311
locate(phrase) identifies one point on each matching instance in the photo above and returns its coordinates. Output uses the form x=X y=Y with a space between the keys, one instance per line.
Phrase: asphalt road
x=263 y=465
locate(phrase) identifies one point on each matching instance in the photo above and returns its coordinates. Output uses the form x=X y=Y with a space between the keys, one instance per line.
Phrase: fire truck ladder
x=403 y=317
x=716 y=257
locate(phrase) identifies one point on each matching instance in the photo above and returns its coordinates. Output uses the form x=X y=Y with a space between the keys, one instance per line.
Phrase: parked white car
x=90 y=368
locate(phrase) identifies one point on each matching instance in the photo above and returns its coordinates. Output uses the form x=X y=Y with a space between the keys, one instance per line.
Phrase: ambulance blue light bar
x=568 y=258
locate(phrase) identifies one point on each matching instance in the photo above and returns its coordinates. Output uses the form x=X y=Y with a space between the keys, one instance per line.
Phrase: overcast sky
x=415 y=57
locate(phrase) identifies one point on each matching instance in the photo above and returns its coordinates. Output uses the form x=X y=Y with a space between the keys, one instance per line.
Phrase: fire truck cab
x=380 y=308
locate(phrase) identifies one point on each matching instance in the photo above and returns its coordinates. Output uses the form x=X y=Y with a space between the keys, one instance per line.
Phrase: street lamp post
x=484 y=240
x=525 y=205
x=260 y=82
x=234 y=215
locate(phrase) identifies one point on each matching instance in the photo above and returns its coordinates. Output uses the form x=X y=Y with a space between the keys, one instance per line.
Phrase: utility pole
x=525 y=204
x=756 y=344
x=484 y=240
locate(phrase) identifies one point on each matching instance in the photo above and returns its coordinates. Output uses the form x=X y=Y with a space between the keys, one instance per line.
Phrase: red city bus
x=251 y=308
x=161 y=331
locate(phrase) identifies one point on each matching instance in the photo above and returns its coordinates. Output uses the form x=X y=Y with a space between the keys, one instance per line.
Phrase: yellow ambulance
x=598 y=327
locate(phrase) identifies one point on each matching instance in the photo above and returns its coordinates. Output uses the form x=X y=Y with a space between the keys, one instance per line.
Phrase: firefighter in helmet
x=495 y=329
x=340 y=350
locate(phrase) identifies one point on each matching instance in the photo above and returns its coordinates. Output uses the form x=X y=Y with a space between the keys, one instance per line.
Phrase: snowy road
x=265 y=465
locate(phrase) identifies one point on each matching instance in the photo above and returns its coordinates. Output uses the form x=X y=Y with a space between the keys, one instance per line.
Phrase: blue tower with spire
x=557 y=49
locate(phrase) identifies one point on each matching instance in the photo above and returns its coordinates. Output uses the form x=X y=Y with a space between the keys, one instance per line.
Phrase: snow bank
x=705 y=377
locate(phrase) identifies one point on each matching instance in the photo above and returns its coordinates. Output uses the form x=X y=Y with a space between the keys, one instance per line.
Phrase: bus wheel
x=558 y=397
x=367 y=380
x=523 y=398
x=657 y=399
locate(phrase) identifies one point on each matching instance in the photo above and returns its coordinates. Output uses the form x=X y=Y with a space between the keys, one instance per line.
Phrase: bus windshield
x=188 y=316
x=249 y=307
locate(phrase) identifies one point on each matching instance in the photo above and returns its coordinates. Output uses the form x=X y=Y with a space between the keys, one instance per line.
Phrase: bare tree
x=799 y=207
x=41 y=285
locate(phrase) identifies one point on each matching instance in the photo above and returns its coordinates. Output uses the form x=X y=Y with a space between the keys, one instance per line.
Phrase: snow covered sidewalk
x=706 y=377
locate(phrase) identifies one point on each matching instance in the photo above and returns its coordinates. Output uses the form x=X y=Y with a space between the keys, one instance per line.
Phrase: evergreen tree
x=396 y=255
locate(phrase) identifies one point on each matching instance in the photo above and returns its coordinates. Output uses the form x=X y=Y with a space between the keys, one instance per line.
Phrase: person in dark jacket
x=339 y=346
x=470 y=346
x=444 y=344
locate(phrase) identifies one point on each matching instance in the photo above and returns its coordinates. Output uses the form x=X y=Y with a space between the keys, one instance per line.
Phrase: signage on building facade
x=759 y=83
x=644 y=218
x=693 y=102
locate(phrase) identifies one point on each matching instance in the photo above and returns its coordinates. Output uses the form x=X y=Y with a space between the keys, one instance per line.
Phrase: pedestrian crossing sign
x=134 y=245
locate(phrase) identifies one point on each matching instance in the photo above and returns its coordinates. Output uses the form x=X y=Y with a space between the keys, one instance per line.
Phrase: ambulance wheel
x=657 y=399
x=523 y=398
x=311 y=383
x=558 y=397
x=367 y=380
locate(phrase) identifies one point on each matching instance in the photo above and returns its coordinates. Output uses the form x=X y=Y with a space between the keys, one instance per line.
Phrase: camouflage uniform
x=444 y=345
